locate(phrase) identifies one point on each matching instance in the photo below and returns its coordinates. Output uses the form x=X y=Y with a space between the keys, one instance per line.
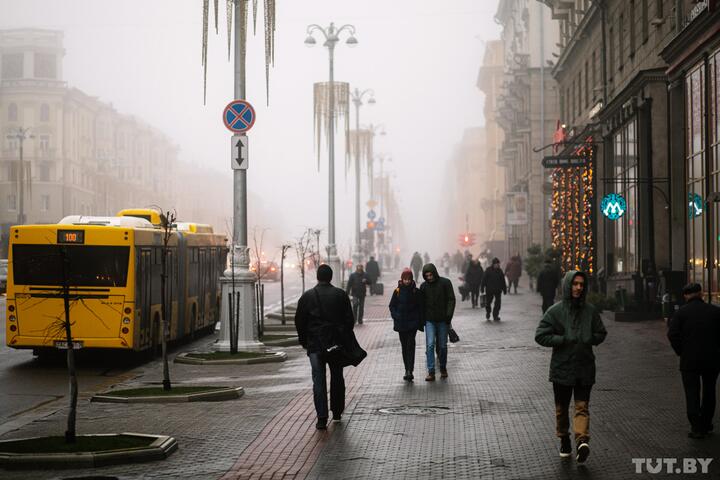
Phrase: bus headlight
x=126 y=320
x=12 y=318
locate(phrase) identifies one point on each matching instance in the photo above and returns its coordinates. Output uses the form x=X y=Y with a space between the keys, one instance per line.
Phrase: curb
x=160 y=449
x=285 y=342
x=218 y=395
x=275 y=357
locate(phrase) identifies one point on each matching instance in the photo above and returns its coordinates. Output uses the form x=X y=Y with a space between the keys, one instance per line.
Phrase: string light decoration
x=366 y=154
x=571 y=226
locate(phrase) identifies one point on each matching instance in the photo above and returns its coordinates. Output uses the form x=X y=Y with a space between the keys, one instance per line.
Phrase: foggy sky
x=421 y=57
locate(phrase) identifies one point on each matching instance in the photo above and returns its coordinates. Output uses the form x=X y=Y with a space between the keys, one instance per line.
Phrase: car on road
x=269 y=271
x=3 y=275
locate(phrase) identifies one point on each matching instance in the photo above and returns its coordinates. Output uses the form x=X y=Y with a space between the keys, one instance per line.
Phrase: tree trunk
x=163 y=307
x=282 y=287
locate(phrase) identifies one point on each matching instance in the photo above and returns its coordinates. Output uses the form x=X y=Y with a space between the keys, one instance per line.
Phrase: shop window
x=695 y=174
x=625 y=174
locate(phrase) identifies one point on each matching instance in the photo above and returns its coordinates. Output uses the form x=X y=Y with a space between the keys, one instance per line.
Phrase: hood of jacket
x=567 y=286
x=430 y=267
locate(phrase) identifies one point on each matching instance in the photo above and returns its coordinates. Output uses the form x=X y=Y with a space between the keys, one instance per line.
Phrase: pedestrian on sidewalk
x=372 y=269
x=323 y=316
x=357 y=289
x=513 y=270
x=406 y=309
x=547 y=283
x=494 y=286
x=438 y=309
x=473 y=278
x=572 y=327
x=694 y=333
x=416 y=264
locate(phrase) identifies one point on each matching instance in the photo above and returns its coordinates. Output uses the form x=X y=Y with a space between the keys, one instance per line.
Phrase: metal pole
x=358 y=102
x=21 y=192
x=331 y=149
x=240 y=176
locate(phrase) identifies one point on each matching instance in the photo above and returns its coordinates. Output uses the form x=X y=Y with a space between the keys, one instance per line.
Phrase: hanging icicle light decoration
x=321 y=110
x=365 y=138
x=269 y=20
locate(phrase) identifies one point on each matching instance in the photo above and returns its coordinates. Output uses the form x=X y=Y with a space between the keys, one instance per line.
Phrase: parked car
x=269 y=271
x=3 y=275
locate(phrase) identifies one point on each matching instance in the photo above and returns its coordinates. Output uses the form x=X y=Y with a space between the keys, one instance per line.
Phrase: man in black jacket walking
x=372 y=270
x=547 y=284
x=323 y=316
x=694 y=333
x=438 y=309
x=493 y=284
x=356 y=288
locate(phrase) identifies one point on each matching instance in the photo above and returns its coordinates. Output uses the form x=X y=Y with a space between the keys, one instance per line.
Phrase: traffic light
x=466 y=239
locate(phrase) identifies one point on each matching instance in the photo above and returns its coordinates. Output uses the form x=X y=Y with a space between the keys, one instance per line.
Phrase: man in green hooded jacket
x=438 y=308
x=572 y=327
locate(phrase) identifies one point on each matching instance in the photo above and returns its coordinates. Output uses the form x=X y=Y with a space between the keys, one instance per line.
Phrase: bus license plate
x=62 y=344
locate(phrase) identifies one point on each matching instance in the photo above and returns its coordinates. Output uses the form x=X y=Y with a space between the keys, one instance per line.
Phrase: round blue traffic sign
x=613 y=206
x=371 y=214
x=239 y=116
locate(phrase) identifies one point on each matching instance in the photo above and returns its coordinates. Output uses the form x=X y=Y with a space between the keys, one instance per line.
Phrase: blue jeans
x=337 y=386
x=436 y=336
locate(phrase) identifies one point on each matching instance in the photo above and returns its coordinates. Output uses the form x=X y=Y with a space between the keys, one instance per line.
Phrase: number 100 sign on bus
x=112 y=268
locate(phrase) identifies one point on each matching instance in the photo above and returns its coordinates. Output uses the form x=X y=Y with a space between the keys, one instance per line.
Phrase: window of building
x=659 y=8
x=695 y=173
x=45 y=66
x=645 y=22
x=12 y=143
x=621 y=40
x=587 y=85
x=625 y=173
x=44 y=143
x=12 y=66
x=44 y=203
x=632 y=28
x=44 y=112
x=44 y=172
x=12 y=203
x=594 y=76
x=714 y=114
x=12 y=172
x=12 y=113
x=611 y=53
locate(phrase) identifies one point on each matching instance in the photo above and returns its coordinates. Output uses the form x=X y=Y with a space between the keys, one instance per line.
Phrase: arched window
x=44 y=113
x=12 y=113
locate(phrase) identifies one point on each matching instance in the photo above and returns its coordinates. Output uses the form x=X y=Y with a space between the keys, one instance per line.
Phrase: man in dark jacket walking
x=571 y=328
x=547 y=283
x=324 y=315
x=694 y=333
x=357 y=289
x=494 y=286
x=372 y=269
x=473 y=278
x=438 y=309
x=416 y=264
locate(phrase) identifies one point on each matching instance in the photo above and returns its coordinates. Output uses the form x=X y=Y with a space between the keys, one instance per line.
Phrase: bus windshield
x=87 y=265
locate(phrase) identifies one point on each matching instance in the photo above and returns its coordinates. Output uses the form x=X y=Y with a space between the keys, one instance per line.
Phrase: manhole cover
x=414 y=410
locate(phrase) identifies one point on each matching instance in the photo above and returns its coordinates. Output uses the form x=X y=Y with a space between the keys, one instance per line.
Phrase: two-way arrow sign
x=239 y=152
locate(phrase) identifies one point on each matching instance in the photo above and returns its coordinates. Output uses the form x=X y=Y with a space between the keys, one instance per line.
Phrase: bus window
x=90 y=265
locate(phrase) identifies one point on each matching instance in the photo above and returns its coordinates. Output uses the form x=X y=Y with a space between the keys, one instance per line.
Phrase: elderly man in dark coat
x=372 y=269
x=694 y=333
x=323 y=316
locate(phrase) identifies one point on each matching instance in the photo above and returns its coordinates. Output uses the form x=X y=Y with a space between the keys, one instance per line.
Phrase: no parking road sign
x=239 y=116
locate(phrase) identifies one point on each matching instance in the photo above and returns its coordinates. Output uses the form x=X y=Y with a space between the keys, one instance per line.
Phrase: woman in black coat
x=406 y=311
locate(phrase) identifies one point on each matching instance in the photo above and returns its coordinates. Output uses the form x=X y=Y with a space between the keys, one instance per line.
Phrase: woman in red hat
x=406 y=311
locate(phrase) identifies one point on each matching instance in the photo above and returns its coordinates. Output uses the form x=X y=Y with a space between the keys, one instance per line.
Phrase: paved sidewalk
x=493 y=418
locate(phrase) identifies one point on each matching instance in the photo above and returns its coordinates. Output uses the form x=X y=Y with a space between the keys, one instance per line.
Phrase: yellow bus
x=113 y=266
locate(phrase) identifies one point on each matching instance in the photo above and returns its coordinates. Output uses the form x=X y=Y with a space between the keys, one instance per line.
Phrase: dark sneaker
x=337 y=418
x=443 y=373
x=565 y=447
x=407 y=375
x=411 y=377
x=583 y=451
x=430 y=377
x=487 y=316
x=497 y=319
x=321 y=423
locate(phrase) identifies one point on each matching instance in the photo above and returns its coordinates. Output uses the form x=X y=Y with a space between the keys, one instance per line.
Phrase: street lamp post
x=357 y=98
x=21 y=134
x=332 y=37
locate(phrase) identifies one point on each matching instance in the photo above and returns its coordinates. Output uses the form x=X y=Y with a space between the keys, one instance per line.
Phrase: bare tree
x=168 y=224
x=303 y=249
x=283 y=253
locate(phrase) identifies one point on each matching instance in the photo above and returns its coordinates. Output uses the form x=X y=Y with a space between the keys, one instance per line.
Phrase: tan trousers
x=581 y=419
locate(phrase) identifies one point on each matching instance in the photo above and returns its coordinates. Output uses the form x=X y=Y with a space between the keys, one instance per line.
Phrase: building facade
x=526 y=111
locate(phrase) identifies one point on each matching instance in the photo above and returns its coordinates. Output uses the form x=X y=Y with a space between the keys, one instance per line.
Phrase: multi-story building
x=527 y=111
x=492 y=201
x=692 y=53
x=613 y=102
x=83 y=157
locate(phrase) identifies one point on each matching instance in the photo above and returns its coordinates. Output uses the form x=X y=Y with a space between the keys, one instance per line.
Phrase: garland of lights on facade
x=571 y=222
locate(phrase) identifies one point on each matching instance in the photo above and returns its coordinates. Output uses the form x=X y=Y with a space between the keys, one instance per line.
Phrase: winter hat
x=406 y=273
x=324 y=273
x=495 y=260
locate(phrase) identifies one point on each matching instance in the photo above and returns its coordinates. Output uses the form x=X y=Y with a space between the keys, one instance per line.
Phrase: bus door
x=149 y=333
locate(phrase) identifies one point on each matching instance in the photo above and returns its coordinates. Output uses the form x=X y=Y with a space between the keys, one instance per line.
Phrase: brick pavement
x=496 y=420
